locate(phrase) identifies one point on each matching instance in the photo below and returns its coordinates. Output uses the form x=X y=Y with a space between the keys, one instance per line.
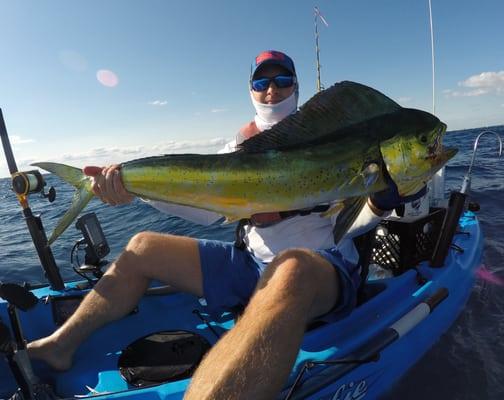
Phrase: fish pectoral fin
x=334 y=209
x=352 y=207
x=370 y=174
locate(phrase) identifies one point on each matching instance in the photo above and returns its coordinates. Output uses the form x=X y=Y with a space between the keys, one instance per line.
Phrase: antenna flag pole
x=318 y=16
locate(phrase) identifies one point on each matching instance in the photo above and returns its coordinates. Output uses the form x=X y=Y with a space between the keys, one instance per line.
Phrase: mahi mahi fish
x=342 y=145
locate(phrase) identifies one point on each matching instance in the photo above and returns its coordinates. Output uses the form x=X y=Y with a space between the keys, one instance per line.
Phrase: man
x=282 y=284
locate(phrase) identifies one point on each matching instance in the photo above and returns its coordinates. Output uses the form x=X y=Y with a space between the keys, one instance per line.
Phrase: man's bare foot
x=49 y=350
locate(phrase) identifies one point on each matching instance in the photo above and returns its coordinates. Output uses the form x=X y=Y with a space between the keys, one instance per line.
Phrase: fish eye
x=423 y=139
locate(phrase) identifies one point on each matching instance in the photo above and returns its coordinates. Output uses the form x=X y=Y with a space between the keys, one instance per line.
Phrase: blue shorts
x=230 y=276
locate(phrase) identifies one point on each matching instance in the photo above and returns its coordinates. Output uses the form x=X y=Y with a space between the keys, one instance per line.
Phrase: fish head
x=416 y=152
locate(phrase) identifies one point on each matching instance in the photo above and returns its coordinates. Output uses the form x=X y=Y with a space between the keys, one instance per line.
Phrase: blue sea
x=466 y=363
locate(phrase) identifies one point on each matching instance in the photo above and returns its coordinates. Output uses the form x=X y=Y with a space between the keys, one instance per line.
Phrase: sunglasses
x=281 y=82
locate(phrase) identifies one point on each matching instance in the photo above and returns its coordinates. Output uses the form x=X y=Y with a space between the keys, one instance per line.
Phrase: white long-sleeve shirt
x=310 y=231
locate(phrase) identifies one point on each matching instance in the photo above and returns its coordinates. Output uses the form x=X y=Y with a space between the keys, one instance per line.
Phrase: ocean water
x=466 y=363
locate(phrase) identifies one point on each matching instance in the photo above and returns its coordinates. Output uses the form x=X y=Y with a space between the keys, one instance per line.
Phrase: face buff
x=268 y=115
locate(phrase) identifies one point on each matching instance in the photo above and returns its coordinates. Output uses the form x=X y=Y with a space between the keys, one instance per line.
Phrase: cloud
x=16 y=140
x=218 y=110
x=469 y=93
x=28 y=161
x=111 y=155
x=158 y=103
x=203 y=146
x=491 y=80
x=479 y=85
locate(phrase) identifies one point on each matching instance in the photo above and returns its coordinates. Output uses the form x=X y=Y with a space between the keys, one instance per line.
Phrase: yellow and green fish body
x=238 y=185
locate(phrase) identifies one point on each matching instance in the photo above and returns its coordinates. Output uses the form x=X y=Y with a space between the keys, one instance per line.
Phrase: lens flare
x=107 y=78
x=488 y=276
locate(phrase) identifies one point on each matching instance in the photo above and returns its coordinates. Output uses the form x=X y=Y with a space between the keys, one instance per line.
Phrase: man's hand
x=389 y=199
x=107 y=184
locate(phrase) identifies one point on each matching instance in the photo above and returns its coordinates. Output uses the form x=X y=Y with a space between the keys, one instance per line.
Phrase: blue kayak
x=361 y=356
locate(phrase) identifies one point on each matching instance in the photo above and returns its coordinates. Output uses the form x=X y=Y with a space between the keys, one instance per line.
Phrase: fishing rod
x=24 y=184
x=432 y=61
x=438 y=180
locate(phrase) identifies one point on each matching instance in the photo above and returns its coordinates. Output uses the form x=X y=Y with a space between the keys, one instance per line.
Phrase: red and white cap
x=275 y=57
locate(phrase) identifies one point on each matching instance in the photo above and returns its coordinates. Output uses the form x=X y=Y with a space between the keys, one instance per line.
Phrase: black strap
x=317 y=209
x=240 y=234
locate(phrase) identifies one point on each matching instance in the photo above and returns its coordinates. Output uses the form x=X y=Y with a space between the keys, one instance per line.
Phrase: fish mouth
x=446 y=154
x=441 y=158
x=442 y=155
x=437 y=162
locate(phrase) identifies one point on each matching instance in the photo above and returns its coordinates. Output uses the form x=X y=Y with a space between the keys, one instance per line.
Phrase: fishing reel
x=25 y=183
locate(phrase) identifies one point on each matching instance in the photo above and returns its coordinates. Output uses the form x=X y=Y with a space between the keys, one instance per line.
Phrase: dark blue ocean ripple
x=467 y=362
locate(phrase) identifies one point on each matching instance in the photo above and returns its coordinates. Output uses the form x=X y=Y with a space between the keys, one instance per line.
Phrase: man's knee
x=302 y=275
x=141 y=242
x=300 y=269
x=146 y=242
x=142 y=250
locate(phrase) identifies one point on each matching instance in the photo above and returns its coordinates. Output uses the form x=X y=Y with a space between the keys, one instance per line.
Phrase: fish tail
x=82 y=196
x=73 y=176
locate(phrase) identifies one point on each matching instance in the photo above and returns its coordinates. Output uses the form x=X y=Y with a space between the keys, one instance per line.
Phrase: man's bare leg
x=170 y=259
x=254 y=359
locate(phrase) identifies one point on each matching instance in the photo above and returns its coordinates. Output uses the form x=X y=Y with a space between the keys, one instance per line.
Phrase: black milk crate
x=403 y=243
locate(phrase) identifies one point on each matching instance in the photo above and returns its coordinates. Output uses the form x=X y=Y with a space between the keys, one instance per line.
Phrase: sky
x=99 y=82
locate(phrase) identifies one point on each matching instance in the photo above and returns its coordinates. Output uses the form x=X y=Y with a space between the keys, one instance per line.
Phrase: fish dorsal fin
x=343 y=104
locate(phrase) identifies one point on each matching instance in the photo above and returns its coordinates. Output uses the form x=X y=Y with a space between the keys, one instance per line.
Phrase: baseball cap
x=273 y=57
